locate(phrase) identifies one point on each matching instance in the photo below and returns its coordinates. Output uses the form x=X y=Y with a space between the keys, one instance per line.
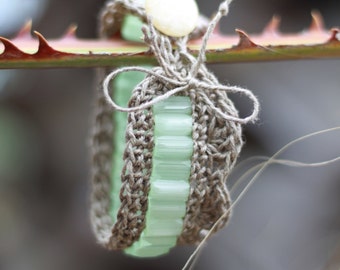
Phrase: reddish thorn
x=335 y=36
x=317 y=24
x=10 y=50
x=44 y=49
x=244 y=41
x=25 y=31
x=272 y=28
x=70 y=32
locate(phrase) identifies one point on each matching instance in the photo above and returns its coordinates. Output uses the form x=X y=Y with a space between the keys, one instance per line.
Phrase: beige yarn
x=217 y=137
x=101 y=146
x=113 y=13
x=135 y=174
x=131 y=215
x=217 y=144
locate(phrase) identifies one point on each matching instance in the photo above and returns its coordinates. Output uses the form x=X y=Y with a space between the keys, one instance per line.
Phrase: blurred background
x=289 y=219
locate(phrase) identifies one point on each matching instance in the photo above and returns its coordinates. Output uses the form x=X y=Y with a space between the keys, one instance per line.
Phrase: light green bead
x=131 y=28
x=169 y=181
x=168 y=190
x=160 y=240
x=175 y=105
x=145 y=248
x=171 y=124
x=158 y=209
x=170 y=170
x=173 y=148
x=163 y=227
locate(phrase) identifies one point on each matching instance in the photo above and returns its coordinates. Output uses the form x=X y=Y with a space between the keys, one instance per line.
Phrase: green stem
x=75 y=53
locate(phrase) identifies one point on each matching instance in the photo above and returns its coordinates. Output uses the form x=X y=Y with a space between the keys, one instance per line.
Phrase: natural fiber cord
x=135 y=180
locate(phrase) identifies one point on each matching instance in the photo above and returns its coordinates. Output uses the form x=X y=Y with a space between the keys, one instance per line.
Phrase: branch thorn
x=10 y=50
x=25 y=31
x=272 y=28
x=317 y=24
x=44 y=49
x=335 y=36
x=70 y=32
x=244 y=41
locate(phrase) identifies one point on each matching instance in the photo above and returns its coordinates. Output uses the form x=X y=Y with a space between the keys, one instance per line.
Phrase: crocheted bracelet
x=166 y=184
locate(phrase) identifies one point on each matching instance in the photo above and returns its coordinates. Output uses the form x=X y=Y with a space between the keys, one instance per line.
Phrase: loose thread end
x=224 y=8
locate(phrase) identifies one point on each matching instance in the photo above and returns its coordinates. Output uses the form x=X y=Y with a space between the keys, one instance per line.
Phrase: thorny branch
x=26 y=51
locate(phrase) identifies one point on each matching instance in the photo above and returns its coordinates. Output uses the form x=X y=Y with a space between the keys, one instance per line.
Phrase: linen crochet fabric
x=217 y=139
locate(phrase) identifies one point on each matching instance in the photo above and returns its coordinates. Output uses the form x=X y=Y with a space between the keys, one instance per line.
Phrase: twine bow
x=175 y=80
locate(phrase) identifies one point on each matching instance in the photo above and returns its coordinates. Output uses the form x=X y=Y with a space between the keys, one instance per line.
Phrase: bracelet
x=165 y=185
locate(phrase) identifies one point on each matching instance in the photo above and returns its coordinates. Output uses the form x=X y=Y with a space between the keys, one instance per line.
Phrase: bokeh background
x=289 y=219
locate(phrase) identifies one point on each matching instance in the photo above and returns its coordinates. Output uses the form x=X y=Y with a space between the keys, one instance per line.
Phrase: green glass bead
x=168 y=190
x=131 y=28
x=170 y=170
x=159 y=209
x=164 y=227
x=173 y=148
x=171 y=124
x=144 y=248
x=169 y=181
x=177 y=104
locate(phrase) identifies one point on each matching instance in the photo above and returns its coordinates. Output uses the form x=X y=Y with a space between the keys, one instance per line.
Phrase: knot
x=192 y=83
x=178 y=86
x=179 y=71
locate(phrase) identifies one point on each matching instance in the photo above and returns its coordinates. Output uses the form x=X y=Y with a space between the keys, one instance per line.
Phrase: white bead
x=176 y=18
